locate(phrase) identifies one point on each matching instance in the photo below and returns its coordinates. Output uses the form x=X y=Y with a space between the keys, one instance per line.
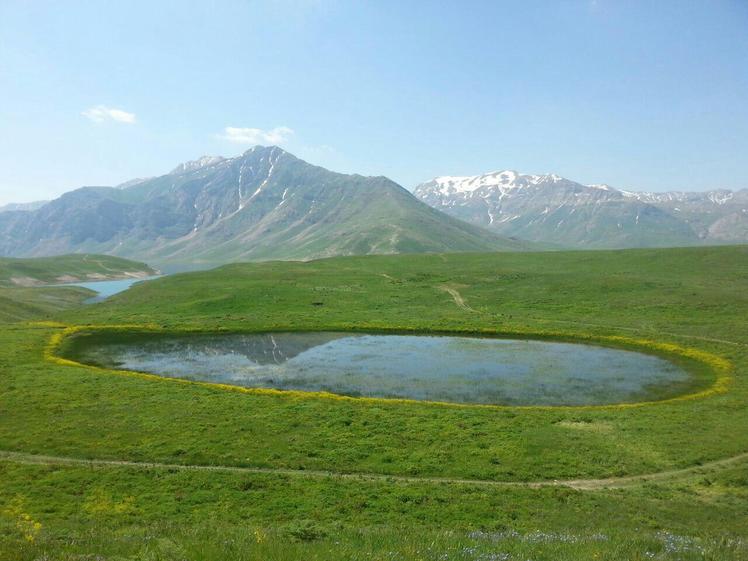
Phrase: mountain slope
x=551 y=209
x=719 y=215
x=264 y=204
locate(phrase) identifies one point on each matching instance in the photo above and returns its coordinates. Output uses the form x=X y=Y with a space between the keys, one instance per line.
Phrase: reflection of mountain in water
x=436 y=368
x=268 y=348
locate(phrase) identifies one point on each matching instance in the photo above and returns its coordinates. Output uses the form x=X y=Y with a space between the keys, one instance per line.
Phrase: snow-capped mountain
x=551 y=209
x=718 y=196
x=264 y=204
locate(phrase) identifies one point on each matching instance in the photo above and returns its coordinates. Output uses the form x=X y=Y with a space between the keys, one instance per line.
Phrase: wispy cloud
x=240 y=135
x=102 y=113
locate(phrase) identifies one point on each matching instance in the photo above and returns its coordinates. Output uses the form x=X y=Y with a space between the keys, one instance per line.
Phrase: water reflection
x=437 y=368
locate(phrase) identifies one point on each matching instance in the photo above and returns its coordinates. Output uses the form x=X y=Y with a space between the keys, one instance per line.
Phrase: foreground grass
x=126 y=512
x=695 y=298
x=309 y=542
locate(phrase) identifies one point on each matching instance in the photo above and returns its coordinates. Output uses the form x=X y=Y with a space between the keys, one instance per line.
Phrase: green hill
x=67 y=269
x=25 y=291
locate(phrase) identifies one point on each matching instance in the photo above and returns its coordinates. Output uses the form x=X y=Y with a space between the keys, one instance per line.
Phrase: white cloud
x=239 y=135
x=101 y=113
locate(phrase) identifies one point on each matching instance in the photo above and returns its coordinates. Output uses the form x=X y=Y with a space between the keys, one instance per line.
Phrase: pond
x=460 y=369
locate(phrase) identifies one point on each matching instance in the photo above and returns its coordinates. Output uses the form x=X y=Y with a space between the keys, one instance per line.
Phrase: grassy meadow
x=309 y=476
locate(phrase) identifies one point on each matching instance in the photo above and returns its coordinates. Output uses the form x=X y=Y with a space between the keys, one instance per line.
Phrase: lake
x=457 y=369
x=108 y=288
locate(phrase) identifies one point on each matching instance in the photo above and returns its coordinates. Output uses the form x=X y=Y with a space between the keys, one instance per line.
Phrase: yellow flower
x=25 y=524
x=260 y=535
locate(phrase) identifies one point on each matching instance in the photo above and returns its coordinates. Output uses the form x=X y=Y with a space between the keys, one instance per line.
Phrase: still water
x=105 y=289
x=421 y=367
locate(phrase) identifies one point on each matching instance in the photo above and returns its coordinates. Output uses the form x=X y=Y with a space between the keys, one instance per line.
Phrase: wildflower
x=260 y=535
x=25 y=524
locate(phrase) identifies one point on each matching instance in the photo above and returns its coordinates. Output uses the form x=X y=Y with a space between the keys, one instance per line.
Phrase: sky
x=642 y=95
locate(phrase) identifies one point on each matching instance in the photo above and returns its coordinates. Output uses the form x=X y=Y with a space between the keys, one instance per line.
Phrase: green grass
x=66 y=268
x=21 y=304
x=694 y=298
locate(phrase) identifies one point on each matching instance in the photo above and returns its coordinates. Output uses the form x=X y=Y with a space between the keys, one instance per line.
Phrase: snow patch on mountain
x=132 y=182
x=717 y=196
x=502 y=182
x=202 y=162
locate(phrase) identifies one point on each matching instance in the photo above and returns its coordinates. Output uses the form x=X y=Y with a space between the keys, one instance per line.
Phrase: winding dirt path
x=578 y=484
x=459 y=300
x=457 y=297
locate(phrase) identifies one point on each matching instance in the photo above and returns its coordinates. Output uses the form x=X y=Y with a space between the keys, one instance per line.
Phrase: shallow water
x=422 y=367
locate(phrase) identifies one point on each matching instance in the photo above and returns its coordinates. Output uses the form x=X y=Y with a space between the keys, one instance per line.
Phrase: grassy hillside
x=67 y=268
x=308 y=476
x=24 y=304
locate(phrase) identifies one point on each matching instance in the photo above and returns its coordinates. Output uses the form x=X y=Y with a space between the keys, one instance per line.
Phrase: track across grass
x=578 y=484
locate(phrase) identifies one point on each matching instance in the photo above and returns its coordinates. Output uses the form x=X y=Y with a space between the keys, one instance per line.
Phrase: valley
x=260 y=302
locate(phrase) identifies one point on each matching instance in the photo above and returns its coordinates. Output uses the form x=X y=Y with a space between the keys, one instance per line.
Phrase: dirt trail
x=457 y=297
x=578 y=484
x=460 y=302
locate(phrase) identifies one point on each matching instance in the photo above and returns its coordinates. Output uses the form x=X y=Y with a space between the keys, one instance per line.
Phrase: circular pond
x=421 y=367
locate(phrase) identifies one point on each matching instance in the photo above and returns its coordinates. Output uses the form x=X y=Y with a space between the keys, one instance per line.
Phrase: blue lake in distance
x=107 y=288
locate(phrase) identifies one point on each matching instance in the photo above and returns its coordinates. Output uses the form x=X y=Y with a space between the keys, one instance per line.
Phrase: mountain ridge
x=551 y=209
x=33 y=205
x=263 y=204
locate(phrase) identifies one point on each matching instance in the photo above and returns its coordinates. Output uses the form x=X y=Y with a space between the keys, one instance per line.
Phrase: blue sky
x=641 y=95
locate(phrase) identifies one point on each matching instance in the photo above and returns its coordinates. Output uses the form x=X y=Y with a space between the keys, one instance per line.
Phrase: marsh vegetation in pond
x=421 y=367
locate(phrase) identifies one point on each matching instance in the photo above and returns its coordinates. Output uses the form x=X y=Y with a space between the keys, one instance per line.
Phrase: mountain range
x=555 y=210
x=263 y=204
x=23 y=206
